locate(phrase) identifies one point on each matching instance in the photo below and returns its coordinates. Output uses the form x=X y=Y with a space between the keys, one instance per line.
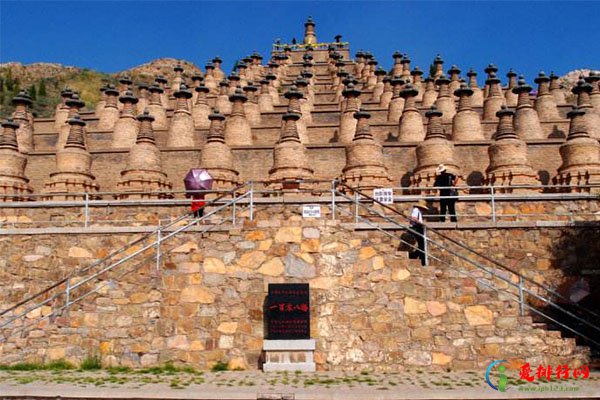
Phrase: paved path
x=247 y=385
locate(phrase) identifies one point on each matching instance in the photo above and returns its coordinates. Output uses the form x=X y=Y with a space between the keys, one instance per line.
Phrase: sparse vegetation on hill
x=44 y=82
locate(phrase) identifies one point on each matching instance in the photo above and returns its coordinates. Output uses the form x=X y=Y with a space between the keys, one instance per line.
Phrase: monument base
x=289 y=355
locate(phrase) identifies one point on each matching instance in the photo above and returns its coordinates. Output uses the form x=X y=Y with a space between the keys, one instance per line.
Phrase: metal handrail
x=548 y=190
x=85 y=269
x=318 y=190
x=460 y=244
x=250 y=194
x=519 y=299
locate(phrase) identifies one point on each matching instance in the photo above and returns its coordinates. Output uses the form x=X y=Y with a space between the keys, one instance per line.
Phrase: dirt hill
x=44 y=81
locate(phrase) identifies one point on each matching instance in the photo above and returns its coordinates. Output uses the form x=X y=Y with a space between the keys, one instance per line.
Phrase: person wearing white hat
x=446 y=182
x=416 y=224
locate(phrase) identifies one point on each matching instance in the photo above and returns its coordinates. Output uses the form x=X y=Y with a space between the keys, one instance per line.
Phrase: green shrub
x=91 y=363
x=59 y=365
x=118 y=370
x=22 y=367
x=220 y=366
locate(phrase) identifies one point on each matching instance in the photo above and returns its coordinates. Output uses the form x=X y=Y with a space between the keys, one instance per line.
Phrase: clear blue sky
x=114 y=35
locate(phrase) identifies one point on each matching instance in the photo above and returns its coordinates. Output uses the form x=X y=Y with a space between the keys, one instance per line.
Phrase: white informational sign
x=311 y=211
x=384 y=195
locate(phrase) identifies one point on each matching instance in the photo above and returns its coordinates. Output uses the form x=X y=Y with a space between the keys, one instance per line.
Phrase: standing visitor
x=448 y=193
x=416 y=224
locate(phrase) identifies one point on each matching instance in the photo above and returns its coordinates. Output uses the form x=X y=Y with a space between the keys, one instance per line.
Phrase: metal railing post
x=251 y=201
x=233 y=206
x=521 y=305
x=333 y=200
x=87 y=210
x=356 y=199
x=68 y=292
x=493 y=205
x=158 y=240
x=425 y=245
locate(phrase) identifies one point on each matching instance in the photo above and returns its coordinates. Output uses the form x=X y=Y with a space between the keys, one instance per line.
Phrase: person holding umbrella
x=195 y=180
x=198 y=204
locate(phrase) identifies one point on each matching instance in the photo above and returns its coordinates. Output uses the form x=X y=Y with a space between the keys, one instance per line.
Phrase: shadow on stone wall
x=577 y=255
x=475 y=178
x=544 y=177
x=556 y=133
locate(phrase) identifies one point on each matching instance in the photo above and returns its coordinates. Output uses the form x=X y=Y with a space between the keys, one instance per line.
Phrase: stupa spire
x=22 y=116
x=433 y=151
x=526 y=122
x=545 y=102
x=73 y=177
x=143 y=177
x=237 y=127
x=110 y=113
x=74 y=105
x=201 y=109
x=126 y=127
x=156 y=109
x=583 y=91
x=580 y=157
x=309 y=32
x=181 y=131
x=509 y=163
x=347 y=120
x=14 y=185
x=364 y=167
x=216 y=156
x=466 y=124
x=494 y=100
x=411 y=123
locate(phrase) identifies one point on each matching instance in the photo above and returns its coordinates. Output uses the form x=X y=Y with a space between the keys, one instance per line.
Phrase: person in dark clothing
x=446 y=181
x=416 y=224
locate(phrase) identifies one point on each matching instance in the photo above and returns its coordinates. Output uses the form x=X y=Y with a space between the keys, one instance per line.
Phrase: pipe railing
x=519 y=298
x=358 y=200
x=170 y=229
x=258 y=195
x=475 y=192
x=519 y=277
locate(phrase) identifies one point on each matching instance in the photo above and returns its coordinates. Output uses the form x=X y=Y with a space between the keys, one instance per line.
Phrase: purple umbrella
x=198 y=179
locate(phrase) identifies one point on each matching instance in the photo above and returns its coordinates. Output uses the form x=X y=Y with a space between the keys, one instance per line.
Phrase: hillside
x=44 y=81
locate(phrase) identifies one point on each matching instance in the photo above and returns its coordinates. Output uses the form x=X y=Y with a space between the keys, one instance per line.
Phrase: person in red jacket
x=198 y=204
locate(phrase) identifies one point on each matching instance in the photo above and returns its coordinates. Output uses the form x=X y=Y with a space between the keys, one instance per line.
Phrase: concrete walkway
x=298 y=386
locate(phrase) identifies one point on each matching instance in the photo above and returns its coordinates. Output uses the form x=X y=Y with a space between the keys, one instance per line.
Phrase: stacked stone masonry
x=370 y=306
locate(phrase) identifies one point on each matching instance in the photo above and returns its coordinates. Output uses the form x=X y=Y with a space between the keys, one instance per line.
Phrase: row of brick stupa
x=402 y=92
x=244 y=109
x=365 y=168
x=186 y=114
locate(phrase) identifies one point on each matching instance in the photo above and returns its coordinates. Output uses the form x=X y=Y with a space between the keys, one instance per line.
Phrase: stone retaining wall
x=371 y=307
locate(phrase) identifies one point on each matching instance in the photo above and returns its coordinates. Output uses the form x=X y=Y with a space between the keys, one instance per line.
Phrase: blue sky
x=111 y=36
